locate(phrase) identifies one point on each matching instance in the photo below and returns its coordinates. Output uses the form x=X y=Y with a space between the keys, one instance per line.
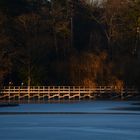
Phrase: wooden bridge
x=65 y=92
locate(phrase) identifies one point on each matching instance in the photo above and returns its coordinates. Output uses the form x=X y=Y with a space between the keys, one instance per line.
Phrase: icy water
x=94 y=120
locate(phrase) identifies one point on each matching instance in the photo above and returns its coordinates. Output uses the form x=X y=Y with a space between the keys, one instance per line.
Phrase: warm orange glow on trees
x=61 y=43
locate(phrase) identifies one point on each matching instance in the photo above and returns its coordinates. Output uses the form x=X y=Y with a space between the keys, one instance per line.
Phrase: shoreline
x=9 y=104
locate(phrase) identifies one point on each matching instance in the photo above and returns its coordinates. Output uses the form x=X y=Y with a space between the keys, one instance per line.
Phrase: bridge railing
x=63 y=91
x=62 y=88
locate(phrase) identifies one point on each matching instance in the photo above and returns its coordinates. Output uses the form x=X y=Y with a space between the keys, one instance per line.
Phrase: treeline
x=70 y=42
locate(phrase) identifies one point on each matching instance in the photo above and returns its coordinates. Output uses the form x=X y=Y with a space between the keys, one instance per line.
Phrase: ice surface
x=71 y=126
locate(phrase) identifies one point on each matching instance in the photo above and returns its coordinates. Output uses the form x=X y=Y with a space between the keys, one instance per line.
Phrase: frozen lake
x=93 y=120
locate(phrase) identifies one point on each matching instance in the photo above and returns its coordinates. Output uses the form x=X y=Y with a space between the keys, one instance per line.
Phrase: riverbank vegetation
x=70 y=42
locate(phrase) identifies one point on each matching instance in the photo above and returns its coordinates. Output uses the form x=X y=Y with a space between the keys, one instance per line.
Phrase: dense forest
x=70 y=42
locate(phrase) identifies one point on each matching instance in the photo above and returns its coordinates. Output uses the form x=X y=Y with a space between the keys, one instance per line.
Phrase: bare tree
x=5 y=50
x=28 y=26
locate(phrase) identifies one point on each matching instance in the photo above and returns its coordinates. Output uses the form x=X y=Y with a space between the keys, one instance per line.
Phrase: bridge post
x=49 y=92
x=79 y=92
x=38 y=87
x=89 y=93
x=69 y=92
x=19 y=93
x=59 y=92
x=122 y=93
x=28 y=91
x=9 y=93
x=43 y=92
